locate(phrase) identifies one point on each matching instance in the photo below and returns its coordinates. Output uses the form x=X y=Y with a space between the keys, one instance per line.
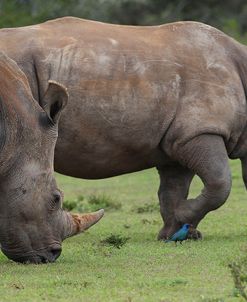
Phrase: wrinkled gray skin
x=28 y=191
x=170 y=96
x=32 y=222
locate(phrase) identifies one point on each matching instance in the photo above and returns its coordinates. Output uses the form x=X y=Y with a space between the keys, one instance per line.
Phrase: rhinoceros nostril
x=55 y=252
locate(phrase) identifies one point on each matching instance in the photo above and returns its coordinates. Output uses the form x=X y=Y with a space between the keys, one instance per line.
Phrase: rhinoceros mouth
x=36 y=257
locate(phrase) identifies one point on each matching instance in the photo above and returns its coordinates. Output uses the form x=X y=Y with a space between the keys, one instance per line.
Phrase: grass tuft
x=239 y=274
x=69 y=205
x=103 y=202
x=91 y=203
x=147 y=208
x=150 y=221
x=115 y=240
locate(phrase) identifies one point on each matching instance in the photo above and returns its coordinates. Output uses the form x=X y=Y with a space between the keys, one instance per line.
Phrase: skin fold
x=171 y=97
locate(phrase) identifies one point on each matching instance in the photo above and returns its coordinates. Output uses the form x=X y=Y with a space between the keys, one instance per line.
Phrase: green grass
x=143 y=269
x=91 y=203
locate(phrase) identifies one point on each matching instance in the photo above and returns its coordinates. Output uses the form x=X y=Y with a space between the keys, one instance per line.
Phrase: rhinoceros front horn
x=78 y=223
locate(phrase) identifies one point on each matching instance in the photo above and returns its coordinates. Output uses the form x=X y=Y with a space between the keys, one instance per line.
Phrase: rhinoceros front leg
x=174 y=187
x=207 y=157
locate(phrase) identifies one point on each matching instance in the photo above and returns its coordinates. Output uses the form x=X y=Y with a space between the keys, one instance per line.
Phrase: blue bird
x=180 y=235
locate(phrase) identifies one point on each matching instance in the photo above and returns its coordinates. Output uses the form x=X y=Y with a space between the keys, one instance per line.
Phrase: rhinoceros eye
x=56 y=199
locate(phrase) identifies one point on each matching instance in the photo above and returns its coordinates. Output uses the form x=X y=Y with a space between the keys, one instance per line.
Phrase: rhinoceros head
x=32 y=222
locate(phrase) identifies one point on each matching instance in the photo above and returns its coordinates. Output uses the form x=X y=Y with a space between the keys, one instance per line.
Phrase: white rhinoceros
x=170 y=96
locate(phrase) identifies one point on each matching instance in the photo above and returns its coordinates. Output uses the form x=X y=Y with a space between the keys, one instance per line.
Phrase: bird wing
x=179 y=235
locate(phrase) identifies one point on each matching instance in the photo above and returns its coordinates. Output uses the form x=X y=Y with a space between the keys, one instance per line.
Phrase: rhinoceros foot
x=165 y=233
x=168 y=230
x=194 y=234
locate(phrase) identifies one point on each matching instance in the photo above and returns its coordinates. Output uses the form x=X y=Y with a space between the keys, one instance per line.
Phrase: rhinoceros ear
x=54 y=100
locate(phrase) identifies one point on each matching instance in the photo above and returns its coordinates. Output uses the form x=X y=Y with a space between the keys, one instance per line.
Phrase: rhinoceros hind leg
x=207 y=157
x=174 y=187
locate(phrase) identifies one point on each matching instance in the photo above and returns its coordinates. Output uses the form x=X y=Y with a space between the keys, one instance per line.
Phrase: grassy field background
x=143 y=269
